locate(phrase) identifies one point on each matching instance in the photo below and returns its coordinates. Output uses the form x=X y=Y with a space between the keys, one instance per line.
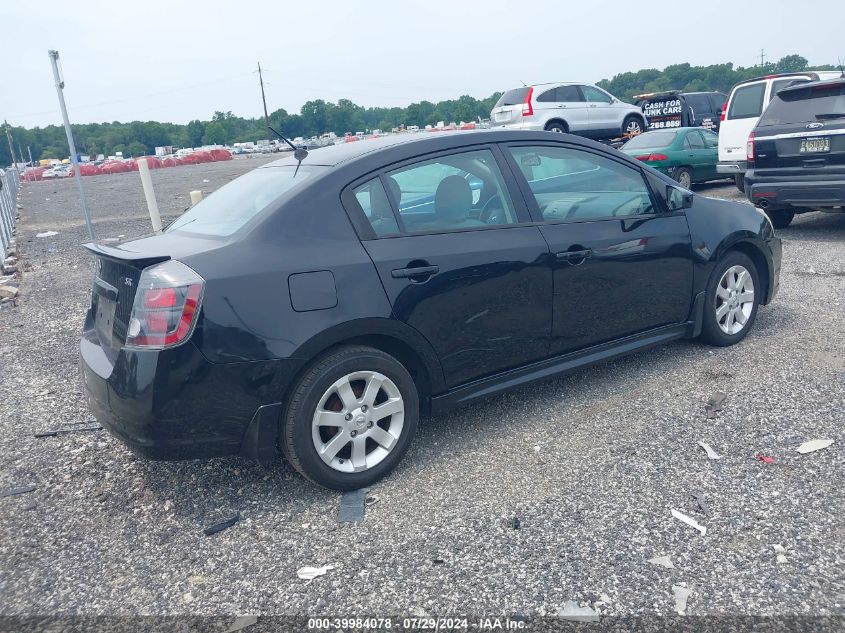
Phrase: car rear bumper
x=174 y=404
x=731 y=168
x=769 y=192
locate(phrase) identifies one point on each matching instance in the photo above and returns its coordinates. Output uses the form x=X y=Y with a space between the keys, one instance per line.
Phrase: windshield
x=236 y=203
x=512 y=97
x=806 y=104
x=651 y=139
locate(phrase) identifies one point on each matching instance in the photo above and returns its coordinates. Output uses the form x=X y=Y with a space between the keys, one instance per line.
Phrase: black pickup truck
x=796 y=153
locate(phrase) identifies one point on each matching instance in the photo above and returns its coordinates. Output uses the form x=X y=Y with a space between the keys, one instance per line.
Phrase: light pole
x=60 y=84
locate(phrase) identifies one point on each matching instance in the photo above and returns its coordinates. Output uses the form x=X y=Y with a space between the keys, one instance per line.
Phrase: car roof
x=421 y=143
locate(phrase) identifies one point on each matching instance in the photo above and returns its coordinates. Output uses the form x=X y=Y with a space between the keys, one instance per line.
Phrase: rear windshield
x=813 y=103
x=651 y=139
x=236 y=203
x=747 y=101
x=512 y=97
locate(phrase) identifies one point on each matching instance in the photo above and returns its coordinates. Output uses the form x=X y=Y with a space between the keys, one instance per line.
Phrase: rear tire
x=632 y=125
x=731 y=300
x=330 y=432
x=558 y=127
x=684 y=177
x=781 y=218
x=739 y=181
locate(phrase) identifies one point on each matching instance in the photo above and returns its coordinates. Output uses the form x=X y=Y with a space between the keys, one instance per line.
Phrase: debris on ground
x=310 y=573
x=781 y=559
x=702 y=505
x=765 y=458
x=662 y=561
x=241 y=622
x=352 y=506
x=681 y=596
x=371 y=500
x=47 y=234
x=20 y=490
x=707 y=449
x=714 y=404
x=223 y=525
x=8 y=291
x=813 y=445
x=573 y=611
x=689 y=521
x=66 y=430
x=437 y=561
x=514 y=523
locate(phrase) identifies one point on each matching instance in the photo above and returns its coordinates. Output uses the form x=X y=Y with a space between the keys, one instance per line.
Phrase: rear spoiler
x=122 y=254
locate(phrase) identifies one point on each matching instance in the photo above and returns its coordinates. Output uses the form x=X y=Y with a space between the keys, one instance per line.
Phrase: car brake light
x=749 y=147
x=166 y=306
x=648 y=158
x=527 y=108
x=724 y=111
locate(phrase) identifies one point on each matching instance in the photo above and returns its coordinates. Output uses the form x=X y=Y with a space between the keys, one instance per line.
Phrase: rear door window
x=570 y=184
x=453 y=192
x=694 y=140
x=568 y=94
x=548 y=97
x=747 y=101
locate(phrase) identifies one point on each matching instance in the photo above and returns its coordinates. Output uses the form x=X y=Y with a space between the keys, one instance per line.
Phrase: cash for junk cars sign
x=664 y=113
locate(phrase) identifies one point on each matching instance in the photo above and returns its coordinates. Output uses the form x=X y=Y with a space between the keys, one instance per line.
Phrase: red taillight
x=724 y=111
x=160 y=298
x=648 y=158
x=527 y=108
x=166 y=306
x=749 y=148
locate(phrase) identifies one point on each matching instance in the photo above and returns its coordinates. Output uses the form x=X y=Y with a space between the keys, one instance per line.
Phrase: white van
x=741 y=112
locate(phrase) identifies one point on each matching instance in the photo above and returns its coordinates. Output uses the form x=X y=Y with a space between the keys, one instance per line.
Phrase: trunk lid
x=118 y=270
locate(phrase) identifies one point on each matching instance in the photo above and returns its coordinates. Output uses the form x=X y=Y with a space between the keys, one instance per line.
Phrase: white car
x=574 y=108
x=741 y=112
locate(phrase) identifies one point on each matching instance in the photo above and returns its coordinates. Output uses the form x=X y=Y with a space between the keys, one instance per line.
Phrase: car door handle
x=569 y=256
x=417 y=271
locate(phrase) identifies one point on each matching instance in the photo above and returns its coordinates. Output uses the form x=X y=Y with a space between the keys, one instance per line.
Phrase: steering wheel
x=489 y=210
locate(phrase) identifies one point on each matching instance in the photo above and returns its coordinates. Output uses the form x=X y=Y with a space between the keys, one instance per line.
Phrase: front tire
x=632 y=125
x=781 y=218
x=350 y=418
x=731 y=300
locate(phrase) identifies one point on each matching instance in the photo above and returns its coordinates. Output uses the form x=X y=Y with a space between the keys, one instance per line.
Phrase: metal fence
x=10 y=181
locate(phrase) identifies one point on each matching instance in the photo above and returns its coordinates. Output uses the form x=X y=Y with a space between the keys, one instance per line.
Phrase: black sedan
x=318 y=307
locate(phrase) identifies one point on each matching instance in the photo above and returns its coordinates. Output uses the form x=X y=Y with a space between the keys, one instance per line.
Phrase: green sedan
x=687 y=154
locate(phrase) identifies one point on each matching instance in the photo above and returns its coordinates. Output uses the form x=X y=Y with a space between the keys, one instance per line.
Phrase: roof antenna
x=523 y=83
x=299 y=153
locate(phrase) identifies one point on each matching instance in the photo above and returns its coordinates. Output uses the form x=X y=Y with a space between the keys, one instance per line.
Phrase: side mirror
x=678 y=198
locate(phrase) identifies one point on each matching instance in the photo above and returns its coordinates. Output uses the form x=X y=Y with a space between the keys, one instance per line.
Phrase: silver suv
x=582 y=109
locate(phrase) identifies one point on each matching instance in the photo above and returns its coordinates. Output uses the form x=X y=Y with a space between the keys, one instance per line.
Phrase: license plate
x=104 y=319
x=815 y=145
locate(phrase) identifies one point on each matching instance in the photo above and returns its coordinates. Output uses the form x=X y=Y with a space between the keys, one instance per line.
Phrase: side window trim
x=531 y=202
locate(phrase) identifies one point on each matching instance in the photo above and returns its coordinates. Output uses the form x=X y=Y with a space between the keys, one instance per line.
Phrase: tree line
x=139 y=138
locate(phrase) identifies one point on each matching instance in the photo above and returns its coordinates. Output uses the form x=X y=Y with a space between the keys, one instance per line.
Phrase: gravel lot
x=590 y=464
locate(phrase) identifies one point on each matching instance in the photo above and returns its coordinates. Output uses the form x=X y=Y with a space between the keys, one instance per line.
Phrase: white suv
x=576 y=108
x=741 y=112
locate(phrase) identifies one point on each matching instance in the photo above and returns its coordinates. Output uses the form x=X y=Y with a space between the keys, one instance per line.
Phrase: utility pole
x=29 y=151
x=11 y=145
x=762 y=57
x=74 y=159
x=264 y=100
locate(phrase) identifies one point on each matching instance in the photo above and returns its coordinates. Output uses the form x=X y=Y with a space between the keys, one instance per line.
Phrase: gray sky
x=182 y=59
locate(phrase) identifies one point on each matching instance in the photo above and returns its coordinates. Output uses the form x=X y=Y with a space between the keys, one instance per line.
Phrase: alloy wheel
x=685 y=180
x=358 y=421
x=734 y=299
x=633 y=127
